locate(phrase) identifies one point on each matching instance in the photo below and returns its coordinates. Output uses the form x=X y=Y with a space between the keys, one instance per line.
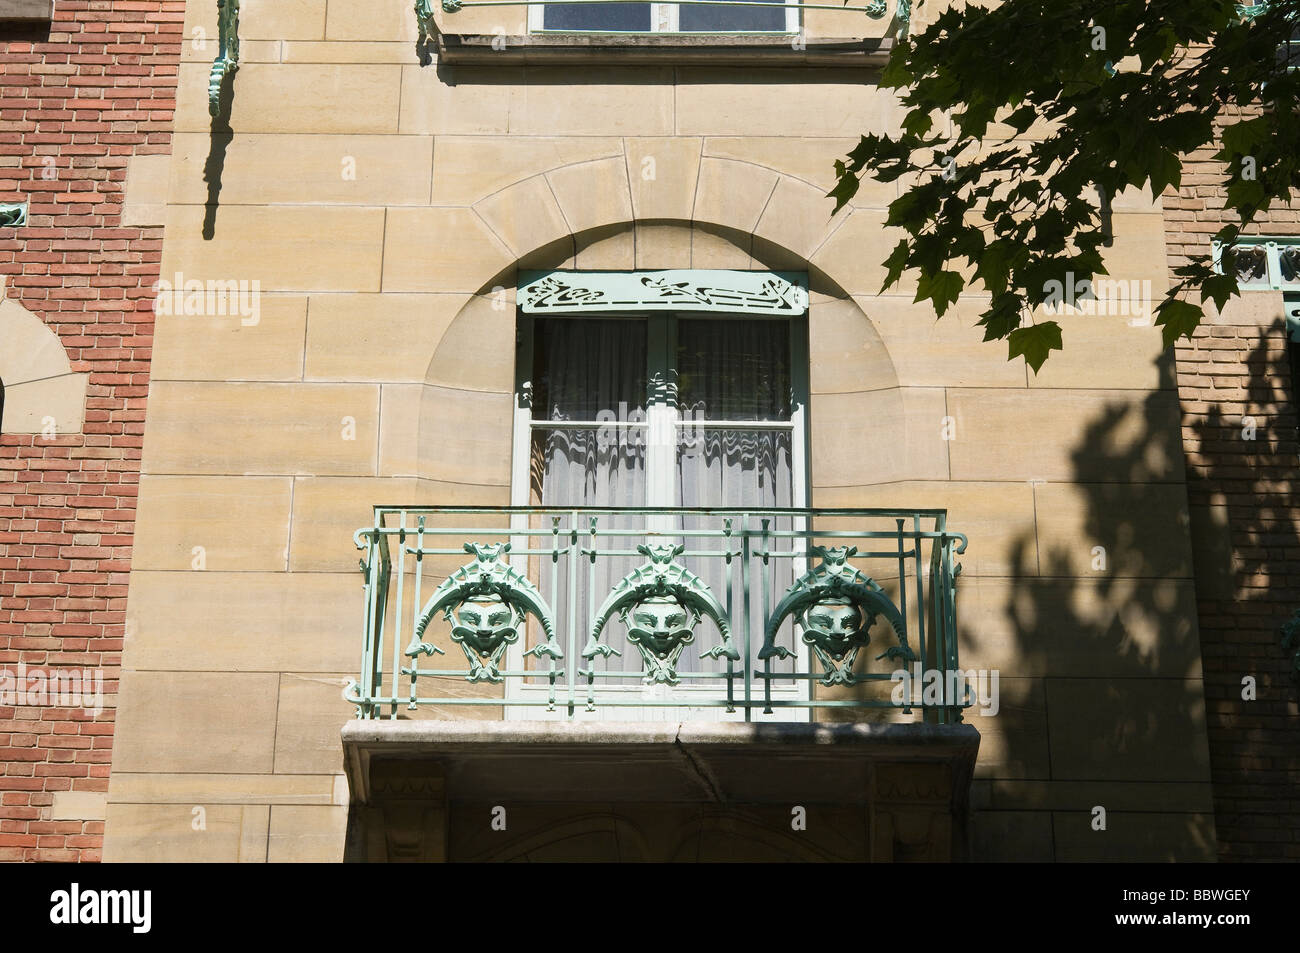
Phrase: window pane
x=733 y=370
x=606 y=17
x=699 y=19
x=589 y=370
x=734 y=468
x=601 y=466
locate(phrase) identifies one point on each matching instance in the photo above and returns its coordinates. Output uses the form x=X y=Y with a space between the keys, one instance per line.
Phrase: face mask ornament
x=487 y=603
x=661 y=602
x=836 y=605
x=483 y=627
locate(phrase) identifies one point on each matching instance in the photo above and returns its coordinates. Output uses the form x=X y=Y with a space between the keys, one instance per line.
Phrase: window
x=765 y=16
x=661 y=410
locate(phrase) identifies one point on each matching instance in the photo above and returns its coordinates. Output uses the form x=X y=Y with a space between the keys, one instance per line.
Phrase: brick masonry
x=78 y=99
x=1240 y=439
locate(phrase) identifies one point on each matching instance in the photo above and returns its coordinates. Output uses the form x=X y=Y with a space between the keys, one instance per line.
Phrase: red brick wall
x=96 y=89
x=1246 y=532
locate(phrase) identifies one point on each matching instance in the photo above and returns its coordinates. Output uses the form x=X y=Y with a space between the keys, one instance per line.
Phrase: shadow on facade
x=1240 y=480
x=219 y=137
x=1115 y=715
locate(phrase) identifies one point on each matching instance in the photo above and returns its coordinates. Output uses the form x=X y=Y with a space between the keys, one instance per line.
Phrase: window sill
x=26 y=11
x=663 y=49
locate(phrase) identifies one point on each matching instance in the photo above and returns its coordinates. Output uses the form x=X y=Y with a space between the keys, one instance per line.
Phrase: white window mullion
x=665 y=18
x=661 y=416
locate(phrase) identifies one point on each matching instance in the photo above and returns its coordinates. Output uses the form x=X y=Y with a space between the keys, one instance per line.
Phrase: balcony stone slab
x=911 y=780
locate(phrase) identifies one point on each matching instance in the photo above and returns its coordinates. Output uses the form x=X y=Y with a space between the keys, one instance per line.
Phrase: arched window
x=657 y=391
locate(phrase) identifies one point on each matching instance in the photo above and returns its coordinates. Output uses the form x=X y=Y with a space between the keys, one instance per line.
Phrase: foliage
x=1024 y=119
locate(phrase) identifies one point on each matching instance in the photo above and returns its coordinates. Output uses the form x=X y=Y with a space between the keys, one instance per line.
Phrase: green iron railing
x=586 y=613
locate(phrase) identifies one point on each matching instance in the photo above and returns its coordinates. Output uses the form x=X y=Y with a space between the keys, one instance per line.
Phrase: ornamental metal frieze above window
x=660 y=603
x=732 y=292
x=1261 y=262
x=836 y=605
x=486 y=602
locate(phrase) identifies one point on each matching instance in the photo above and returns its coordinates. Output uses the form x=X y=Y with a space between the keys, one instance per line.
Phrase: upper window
x=765 y=16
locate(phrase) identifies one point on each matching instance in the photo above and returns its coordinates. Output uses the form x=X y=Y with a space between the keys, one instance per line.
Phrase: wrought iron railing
x=765 y=614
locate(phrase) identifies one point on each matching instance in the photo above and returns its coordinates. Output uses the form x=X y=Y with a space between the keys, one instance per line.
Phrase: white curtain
x=591 y=370
x=736 y=371
x=727 y=370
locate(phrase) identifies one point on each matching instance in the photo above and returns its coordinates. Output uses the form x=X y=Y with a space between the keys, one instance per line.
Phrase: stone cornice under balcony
x=777 y=762
x=621 y=49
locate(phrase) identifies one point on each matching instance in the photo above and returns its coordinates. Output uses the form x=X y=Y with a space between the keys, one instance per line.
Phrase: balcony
x=579 y=612
x=669 y=657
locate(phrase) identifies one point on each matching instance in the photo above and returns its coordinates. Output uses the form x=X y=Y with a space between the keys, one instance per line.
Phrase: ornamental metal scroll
x=486 y=602
x=13 y=214
x=661 y=602
x=744 y=292
x=876 y=10
x=836 y=605
x=227 y=60
x=424 y=19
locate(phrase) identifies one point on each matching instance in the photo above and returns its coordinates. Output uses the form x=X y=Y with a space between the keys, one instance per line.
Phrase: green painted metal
x=903 y=7
x=488 y=604
x=1262 y=261
x=227 y=60
x=424 y=17
x=660 y=604
x=13 y=214
x=1250 y=11
x=727 y=292
x=836 y=605
x=876 y=9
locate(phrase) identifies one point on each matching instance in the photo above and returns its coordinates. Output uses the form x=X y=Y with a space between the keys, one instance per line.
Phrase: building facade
x=1238 y=380
x=87 y=93
x=489 y=260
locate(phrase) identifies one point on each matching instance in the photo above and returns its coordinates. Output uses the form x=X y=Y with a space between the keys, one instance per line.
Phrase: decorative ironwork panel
x=1261 y=262
x=770 y=641
x=660 y=603
x=486 y=602
x=13 y=214
x=746 y=292
x=836 y=605
x=227 y=60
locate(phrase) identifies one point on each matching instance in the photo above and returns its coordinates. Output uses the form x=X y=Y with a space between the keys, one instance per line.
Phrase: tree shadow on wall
x=1241 y=481
x=1102 y=705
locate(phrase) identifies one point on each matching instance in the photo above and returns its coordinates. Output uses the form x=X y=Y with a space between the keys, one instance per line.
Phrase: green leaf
x=844 y=190
x=1219 y=288
x=1002 y=317
x=942 y=288
x=1178 y=319
x=895 y=264
x=1034 y=343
